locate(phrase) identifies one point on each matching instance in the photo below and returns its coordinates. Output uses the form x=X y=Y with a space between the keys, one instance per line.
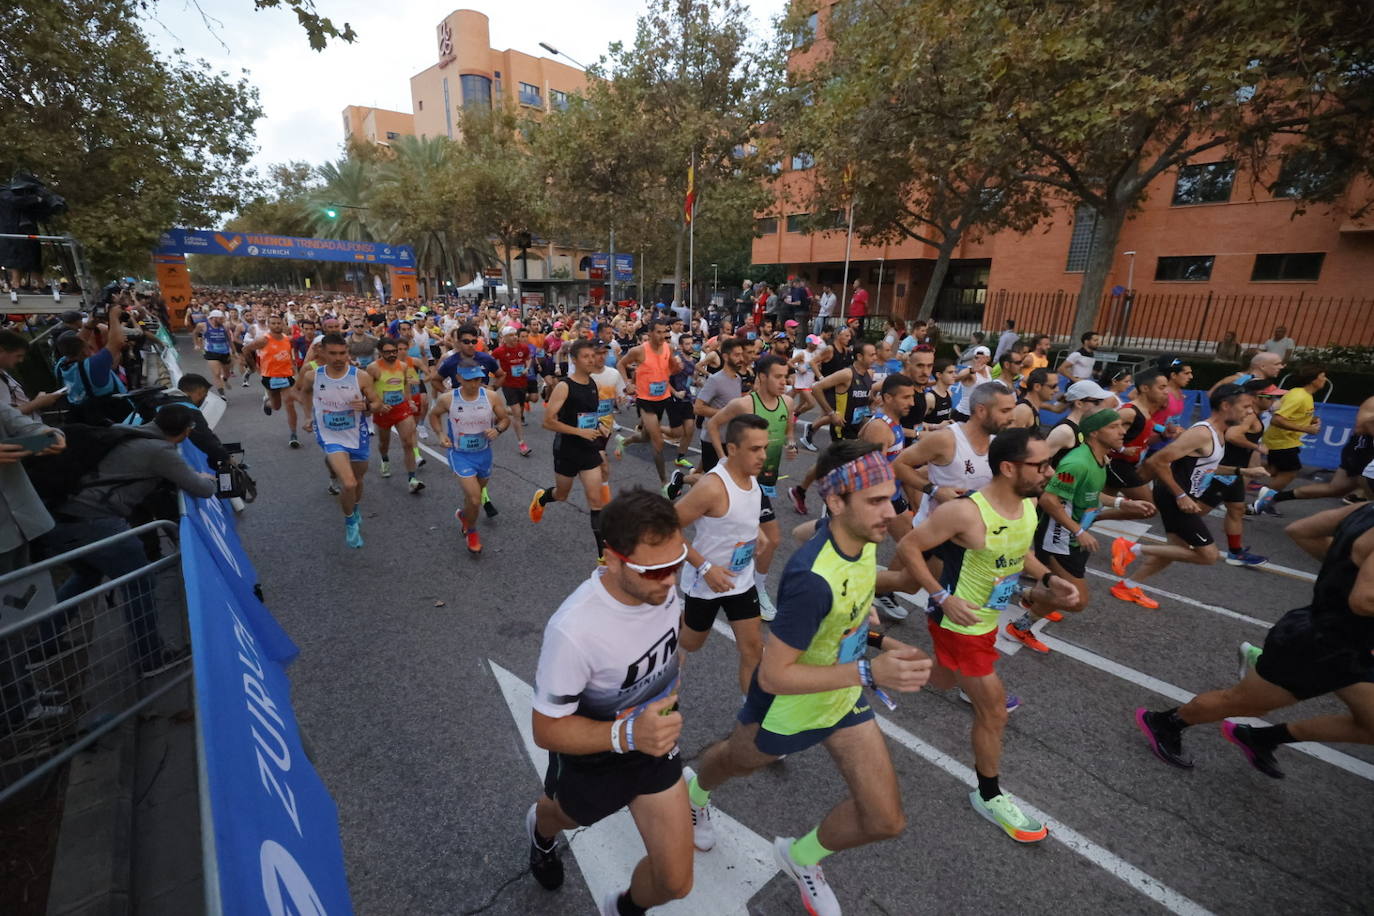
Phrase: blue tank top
x=216 y=339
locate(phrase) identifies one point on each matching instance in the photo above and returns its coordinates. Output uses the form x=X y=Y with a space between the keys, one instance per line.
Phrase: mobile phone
x=35 y=443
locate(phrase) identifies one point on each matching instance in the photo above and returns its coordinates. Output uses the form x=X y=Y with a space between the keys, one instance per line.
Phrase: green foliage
x=1357 y=358
x=135 y=142
x=318 y=29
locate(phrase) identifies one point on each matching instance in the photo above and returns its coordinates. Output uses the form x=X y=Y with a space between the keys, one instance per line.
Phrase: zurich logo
x=253 y=249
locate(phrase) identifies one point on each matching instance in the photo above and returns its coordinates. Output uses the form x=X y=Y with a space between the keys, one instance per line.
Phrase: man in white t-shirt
x=1280 y=343
x=1078 y=365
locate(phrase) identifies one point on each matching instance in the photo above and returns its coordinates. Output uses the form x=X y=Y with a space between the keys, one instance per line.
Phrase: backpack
x=59 y=477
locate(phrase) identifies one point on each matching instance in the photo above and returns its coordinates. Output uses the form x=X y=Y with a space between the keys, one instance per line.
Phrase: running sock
x=416 y=450
x=1023 y=622
x=1233 y=541
x=1268 y=738
x=605 y=494
x=546 y=497
x=700 y=797
x=1135 y=550
x=807 y=851
x=1130 y=583
x=485 y=498
x=596 y=532
x=760 y=580
x=1284 y=496
x=988 y=787
x=627 y=907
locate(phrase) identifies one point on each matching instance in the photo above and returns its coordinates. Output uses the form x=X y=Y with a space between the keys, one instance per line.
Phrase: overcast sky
x=304 y=92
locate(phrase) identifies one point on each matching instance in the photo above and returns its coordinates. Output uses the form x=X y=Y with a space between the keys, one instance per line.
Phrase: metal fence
x=73 y=668
x=1195 y=323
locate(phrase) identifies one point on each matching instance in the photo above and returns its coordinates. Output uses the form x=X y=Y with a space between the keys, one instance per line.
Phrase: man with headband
x=809 y=687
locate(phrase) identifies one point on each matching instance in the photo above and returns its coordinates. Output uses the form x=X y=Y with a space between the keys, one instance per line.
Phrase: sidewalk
x=166 y=866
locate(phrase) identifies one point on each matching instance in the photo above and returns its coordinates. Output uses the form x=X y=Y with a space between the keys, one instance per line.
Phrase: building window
x=531 y=95
x=498 y=83
x=1189 y=268
x=1313 y=175
x=802 y=161
x=1306 y=266
x=766 y=226
x=806 y=33
x=392 y=135
x=1204 y=184
x=448 y=110
x=796 y=222
x=419 y=104
x=558 y=99
x=476 y=90
x=1081 y=242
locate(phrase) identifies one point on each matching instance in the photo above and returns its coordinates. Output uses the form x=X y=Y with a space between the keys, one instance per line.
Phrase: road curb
x=92 y=867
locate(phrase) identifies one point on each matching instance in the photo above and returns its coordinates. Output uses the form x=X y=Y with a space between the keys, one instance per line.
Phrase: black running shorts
x=598 y=785
x=570 y=460
x=1356 y=455
x=709 y=458
x=699 y=613
x=514 y=396
x=679 y=412
x=1192 y=528
x=1302 y=660
x=1123 y=475
x=1285 y=459
x=1220 y=491
x=657 y=408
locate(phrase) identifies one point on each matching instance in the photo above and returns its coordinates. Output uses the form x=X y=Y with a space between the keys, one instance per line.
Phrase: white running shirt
x=336 y=422
x=728 y=541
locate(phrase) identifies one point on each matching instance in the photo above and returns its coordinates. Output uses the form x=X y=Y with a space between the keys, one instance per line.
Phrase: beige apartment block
x=376 y=125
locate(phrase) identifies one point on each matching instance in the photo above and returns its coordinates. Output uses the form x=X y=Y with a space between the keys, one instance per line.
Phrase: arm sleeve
x=171 y=466
x=561 y=676
x=204 y=438
x=803 y=602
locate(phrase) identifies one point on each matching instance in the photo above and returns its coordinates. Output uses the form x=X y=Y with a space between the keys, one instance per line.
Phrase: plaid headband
x=860 y=474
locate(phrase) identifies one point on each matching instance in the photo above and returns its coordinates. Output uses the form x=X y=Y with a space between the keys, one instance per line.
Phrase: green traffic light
x=331 y=213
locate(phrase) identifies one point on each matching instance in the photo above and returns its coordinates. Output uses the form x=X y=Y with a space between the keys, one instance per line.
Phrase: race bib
x=854 y=646
x=769 y=491
x=1002 y=591
x=338 y=420
x=393 y=398
x=605 y=407
x=588 y=420
x=276 y=382
x=658 y=389
x=861 y=414
x=742 y=555
x=473 y=443
x=517 y=371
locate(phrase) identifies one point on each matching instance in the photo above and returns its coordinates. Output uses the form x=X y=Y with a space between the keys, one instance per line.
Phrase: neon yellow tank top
x=987 y=577
x=391 y=382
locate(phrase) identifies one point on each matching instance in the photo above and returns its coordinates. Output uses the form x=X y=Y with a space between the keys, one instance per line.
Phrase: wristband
x=875 y=640
x=938 y=597
x=704 y=568
x=615 y=737
x=630 y=732
x=866 y=673
x=1045 y=580
x=1117 y=504
x=1182 y=496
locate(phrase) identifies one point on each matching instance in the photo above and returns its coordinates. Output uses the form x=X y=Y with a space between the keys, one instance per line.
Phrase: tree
x=318 y=29
x=134 y=142
x=1108 y=96
x=883 y=115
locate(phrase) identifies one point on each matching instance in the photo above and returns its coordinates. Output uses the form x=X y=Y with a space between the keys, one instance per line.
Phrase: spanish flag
x=689 y=208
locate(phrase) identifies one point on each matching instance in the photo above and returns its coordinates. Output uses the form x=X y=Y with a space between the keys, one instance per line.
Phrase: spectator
x=1005 y=341
x=975 y=341
x=797 y=301
x=1078 y=365
x=91 y=375
x=858 y=302
x=933 y=335
x=192 y=391
x=13 y=348
x=100 y=508
x=1280 y=343
x=827 y=308
x=1040 y=351
x=1228 y=351
x=744 y=303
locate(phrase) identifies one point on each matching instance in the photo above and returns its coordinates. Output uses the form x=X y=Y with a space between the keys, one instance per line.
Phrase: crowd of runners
x=989 y=473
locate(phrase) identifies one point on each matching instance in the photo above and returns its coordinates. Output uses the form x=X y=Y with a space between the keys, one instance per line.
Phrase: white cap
x=981 y=351
x=216 y=313
x=507 y=330
x=1086 y=389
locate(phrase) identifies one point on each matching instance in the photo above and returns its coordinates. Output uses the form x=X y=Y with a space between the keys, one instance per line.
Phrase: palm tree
x=345 y=194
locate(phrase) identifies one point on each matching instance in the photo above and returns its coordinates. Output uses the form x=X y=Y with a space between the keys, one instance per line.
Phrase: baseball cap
x=814 y=339
x=1086 y=389
x=1273 y=391
x=471 y=372
x=789 y=323
x=215 y=313
x=780 y=335
x=981 y=351
x=508 y=329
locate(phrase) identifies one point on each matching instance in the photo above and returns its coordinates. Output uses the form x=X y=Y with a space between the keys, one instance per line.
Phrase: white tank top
x=728 y=541
x=967 y=470
x=468 y=422
x=337 y=423
x=1206 y=466
x=806 y=372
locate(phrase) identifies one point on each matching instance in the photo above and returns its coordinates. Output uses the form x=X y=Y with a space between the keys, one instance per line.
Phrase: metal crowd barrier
x=72 y=670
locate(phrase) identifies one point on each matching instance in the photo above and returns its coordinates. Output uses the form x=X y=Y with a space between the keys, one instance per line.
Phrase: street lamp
x=715 y=282
x=1130 y=271
x=557 y=53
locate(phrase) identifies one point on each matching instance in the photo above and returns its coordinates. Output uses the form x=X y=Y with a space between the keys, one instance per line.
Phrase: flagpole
x=692 y=241
x=848 y=242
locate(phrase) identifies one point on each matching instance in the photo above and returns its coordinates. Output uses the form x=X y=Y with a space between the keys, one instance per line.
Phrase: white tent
x=476 y=286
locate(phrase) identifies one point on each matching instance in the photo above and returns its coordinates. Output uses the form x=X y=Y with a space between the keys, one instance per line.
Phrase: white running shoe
x=767 y=610
x=424 y=432
x=386 y=468
x=891 y=607
x=703 y=831
x=816 y=894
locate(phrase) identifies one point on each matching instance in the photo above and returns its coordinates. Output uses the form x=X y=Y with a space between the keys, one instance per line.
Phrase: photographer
x=191 y=391
x=13 y=348
x=90 y=374
x=103 y=500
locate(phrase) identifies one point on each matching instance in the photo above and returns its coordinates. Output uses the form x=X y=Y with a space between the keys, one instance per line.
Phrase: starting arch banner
x=255 y=245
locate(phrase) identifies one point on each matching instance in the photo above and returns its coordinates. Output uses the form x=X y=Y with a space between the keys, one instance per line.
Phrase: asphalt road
x=412 y=735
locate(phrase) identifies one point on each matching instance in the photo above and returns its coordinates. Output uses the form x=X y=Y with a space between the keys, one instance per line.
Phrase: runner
x=725 y=506
x=517 y=366
x=681 y=419
x=1263 y=365
x=1071 y=504
x=986 y=541
x=940 y=411
x=808 y=689
x=803 y=364
x=829 y=359
x=394 y=377
x=1242 y=448
x=1123 y=471
x=466 y=422
x=720 y=389
x=213 y=337
x=362 y=345
x=1041 y=393
x=605 y=704
x=610 y=394
x=466 y=338
x=573 y=412
x=768 y=401
x=1324 y=648
x=278 y=371
x=1084 y=398
x=1356 y=455
x=653 y=362
x=342 y=397
x=920 y=363
x=1183 y=473
x=1295 y=417
x=853 y=391
x=884 y=429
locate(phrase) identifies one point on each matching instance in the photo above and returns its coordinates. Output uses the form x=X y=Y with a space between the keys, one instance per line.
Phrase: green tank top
x=987 y=577
x=777 y=438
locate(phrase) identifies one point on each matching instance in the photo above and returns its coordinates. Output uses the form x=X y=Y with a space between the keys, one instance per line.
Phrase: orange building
x=376 y=125
x=1209 y=251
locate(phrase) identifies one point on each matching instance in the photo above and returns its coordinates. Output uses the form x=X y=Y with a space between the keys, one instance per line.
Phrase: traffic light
x=331 y=212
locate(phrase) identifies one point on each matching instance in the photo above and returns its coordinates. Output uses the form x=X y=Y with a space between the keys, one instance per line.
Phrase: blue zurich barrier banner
x=1322 y=450
x=275 y=828
x=254 y=245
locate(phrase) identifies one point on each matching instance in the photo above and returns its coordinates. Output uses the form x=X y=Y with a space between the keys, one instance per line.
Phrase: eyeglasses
x=661 y=571
x=1041 y=466
x=1092 y=401
x=388 y=352
x=467 y=340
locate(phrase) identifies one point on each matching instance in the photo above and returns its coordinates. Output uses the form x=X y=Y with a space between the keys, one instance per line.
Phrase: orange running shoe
x=1054 y=616
x=536 y=507
x=1135 y=595
x=1122 y=555
x=474 y=542
x=1026 y=638
x=605 y=494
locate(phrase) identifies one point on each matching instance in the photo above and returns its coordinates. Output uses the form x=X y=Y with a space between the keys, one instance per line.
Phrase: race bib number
x=658 y=389
x=588 y=420
x=277 y=382
x=1200 y=482
x=605 y=407
x=1002 y=591
x=339 y=420
x=861 y=414
x=517 y=371
x=473 y=443
x=770 y=491
x=742 y=555
x=393 y=398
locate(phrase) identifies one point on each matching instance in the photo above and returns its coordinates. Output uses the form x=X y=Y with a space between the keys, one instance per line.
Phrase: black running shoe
x=1262 y=760
x=490 y=508
x=1166 y=743
x=545 y=864
x=675 y=483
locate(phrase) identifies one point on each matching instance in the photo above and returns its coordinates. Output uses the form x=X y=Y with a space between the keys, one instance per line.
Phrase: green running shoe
x=1248 y=654
x=1014 y=822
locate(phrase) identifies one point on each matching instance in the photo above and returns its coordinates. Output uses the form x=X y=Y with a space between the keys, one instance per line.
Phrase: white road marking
x=1215 y=609
x=1135 y=531
x=725 y=878
x=1346 y=762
